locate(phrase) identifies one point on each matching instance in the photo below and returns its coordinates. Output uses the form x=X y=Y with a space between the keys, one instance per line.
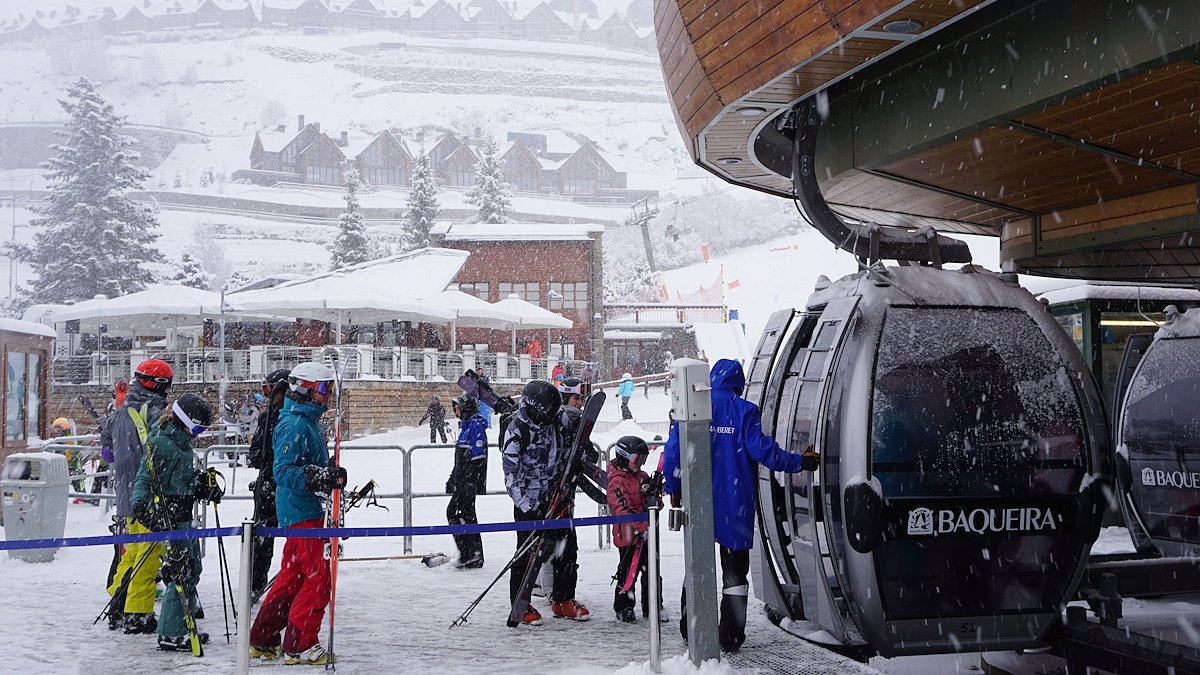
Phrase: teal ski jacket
x=174 y=466
x=299 y=441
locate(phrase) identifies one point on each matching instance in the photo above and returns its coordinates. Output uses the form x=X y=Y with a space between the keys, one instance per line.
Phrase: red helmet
x=154 y=374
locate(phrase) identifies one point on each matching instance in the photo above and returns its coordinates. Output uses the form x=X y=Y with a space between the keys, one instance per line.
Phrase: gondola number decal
x=968 y=627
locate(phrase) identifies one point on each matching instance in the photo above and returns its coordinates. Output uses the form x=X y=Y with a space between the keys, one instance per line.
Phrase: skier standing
x=629 y=489
x=124 y=437
x=262 y=457
x=436 y=414
x=295 y=605
x=467 y=479
x=181 y=485
x=738 y=447
x=625 y=391
x=534 y=456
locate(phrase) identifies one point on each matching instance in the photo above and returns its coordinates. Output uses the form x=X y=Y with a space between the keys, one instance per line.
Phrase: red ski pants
x=298 y=597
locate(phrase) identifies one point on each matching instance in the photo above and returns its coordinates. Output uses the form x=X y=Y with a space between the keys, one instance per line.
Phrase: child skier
x=165 y=503
x=436 y=414
x=629 y=490
x=625 y=391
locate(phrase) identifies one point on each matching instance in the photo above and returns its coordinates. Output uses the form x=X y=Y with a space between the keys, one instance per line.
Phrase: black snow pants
x=565 y=566
x=626 y=600
x=735 y=568
x=461 y=511
x=264 y=547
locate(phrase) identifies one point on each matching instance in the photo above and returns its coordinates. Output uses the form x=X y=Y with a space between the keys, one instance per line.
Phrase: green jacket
x=174 y=464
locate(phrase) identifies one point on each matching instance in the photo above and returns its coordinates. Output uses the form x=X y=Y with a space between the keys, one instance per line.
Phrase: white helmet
x=626 y=376
x=304 y=376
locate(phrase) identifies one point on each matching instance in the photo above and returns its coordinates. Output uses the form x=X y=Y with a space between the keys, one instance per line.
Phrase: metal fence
x=359 y=362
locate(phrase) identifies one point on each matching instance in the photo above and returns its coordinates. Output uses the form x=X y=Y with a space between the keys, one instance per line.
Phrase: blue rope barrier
x=169 y=535
x=420 y=530
x=322 y=532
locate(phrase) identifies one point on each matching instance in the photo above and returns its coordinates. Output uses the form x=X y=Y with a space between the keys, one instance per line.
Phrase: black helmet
x=466 y=405
x=540 y=401
x=628 y=449
x=193 y=413
x=570 y=386
x=276 y=376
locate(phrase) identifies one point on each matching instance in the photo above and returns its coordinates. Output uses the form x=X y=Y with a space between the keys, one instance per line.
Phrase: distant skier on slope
x=625 y=391
x=304 y=474
x=436 y=414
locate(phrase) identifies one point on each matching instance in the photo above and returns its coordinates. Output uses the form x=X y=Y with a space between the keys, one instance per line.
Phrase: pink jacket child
x=629 y=489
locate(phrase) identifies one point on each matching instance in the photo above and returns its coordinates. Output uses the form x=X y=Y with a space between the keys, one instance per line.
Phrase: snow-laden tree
x=423 y=207
x=628 y=279
x=491 y=193
x=351 y=246
x=90 y=238
x=192 y=273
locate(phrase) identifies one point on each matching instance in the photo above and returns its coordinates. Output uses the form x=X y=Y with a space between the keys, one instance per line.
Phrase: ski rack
x=867 y=242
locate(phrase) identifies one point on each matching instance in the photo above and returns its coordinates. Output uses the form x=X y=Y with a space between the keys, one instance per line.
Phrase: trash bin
x=33 y=493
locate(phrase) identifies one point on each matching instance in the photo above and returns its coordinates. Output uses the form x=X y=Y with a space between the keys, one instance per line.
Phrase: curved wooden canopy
x=1069 y=129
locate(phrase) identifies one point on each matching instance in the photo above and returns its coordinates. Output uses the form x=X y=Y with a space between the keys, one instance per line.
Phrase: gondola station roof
x=1065 y=128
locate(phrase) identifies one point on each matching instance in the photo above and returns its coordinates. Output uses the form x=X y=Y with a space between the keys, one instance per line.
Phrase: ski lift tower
x=642 y=214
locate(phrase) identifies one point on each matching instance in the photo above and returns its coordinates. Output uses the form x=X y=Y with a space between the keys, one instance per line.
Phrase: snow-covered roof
x=560 y=144
x=551 y=164
x=35 y=313
x=157 y=307
x=516 y=231
x=632 y=335
x=356 y=146
x=27 y=327
x=273 y=141
x=1093 y=291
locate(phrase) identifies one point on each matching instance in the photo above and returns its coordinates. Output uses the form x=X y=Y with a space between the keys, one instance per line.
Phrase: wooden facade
x=321 y=163
x=458 y=169
x=385 y=161
x=980 y=117
x=521 y=168
x=26 y=351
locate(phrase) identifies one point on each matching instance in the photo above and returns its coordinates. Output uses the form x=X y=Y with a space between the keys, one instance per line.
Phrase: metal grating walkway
x=770 y=649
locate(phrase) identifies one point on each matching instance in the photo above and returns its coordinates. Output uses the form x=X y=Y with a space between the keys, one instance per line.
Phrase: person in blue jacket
x=467 y=479
x=625 y=391
x=304 y=476
x=738 y=447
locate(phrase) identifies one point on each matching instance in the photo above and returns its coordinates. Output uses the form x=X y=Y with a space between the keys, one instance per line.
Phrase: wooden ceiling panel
x=930 y=14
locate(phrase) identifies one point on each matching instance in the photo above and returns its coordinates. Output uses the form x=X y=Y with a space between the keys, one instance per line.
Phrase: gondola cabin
x=26 y=351
x=1158 y=440
x=963 y=454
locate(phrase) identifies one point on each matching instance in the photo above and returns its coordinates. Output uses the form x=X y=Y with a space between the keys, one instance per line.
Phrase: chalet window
x=574 y=296
x=22 y=399
x=327 y=175
x=579 y=186
x=478 y=289
x=529 y=291
x=462 y=176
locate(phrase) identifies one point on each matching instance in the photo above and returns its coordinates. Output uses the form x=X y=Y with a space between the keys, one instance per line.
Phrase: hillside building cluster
x=533 y=163
x=540 y=20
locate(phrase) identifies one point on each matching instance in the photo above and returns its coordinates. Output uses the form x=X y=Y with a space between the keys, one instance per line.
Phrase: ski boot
x=270 y=653
x=570 y=609
x=626 y=616
x=182 y=643
x=138 y=624
x=532 y=617
x=313 y=656
x=472 y=563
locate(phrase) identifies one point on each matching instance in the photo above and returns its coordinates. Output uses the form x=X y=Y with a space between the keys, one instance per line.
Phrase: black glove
x=208 y=488
x=177 y=566
x=154 y=519
x=652 y=486
x=811 y=460
x=591 y=454
x=324 y=478
x=450 y=485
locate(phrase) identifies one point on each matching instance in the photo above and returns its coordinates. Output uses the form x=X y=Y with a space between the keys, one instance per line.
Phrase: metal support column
x=245 y=575
x=691 y=400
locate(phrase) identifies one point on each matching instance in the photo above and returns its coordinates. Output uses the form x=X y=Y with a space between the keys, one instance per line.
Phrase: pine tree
x=192 y=273
x=491 y=193
x=423 y=207
x=351 y=246
x=90 y=237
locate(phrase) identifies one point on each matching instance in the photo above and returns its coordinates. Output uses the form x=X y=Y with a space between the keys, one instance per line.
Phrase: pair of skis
x=334 y=516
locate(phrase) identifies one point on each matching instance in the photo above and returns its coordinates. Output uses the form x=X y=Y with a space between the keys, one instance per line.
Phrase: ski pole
x=226 y=581
x=124 y=587
x=525 y=548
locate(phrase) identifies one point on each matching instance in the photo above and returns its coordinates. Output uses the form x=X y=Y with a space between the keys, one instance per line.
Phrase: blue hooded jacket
x=299 y=441
x=738 y=446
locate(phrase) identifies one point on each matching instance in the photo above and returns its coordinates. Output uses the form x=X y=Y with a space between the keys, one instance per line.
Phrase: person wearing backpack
x=179 y=485
x=123 y=440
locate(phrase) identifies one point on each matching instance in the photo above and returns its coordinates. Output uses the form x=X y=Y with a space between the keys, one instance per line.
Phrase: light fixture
x=729 y=160
x=1129 y=322
x=751 y=111
x=903 y=26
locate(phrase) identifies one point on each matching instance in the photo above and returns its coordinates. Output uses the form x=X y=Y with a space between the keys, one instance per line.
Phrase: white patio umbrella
x=394 y=288
x=154 y=310
x=470 y=310
x=532 y=317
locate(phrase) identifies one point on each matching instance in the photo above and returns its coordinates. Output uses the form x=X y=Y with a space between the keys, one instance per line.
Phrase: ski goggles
x=148 y=378
x=323 y=388
x=192 y=426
